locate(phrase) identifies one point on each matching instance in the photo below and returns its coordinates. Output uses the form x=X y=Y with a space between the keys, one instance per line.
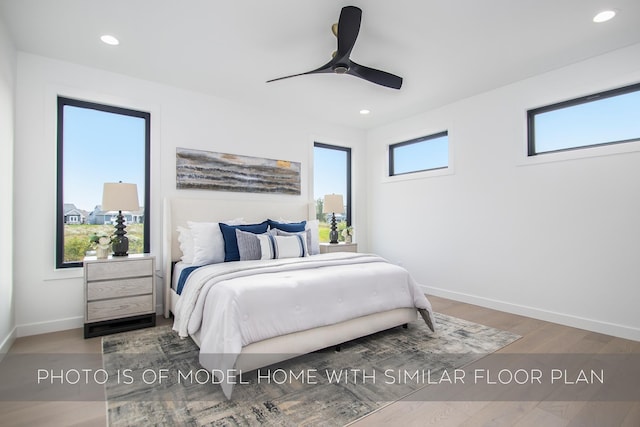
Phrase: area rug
x=155 y=377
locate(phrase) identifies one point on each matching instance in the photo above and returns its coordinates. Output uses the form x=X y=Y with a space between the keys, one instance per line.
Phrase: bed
x=248 y=314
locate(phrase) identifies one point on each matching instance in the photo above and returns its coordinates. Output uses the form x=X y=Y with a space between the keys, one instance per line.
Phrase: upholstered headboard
x=177 y=211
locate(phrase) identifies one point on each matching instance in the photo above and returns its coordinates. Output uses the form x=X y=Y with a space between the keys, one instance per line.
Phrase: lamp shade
x=118 y=196
x=333 y=203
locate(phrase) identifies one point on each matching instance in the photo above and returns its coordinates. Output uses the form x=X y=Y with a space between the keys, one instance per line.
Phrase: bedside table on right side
x=326 y=248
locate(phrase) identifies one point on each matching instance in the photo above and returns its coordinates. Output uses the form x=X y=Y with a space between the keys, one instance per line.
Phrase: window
x=420 y=154
x=605 y=118
x=331 y=175
x=97 y=144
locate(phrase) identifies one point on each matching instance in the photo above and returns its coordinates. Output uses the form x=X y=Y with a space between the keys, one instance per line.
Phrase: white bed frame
x=178 y=211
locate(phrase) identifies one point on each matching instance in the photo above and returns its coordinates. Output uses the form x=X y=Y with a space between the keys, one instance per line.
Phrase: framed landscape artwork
x=206 y=170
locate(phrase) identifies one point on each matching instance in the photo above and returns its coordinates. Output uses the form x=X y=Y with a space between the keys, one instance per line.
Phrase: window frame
x=532 y=113
x=392 y=147
x=347 y=150
x=63 y=101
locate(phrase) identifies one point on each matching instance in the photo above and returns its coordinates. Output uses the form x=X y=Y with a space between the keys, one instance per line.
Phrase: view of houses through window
x=332 y=175
x=98 y=144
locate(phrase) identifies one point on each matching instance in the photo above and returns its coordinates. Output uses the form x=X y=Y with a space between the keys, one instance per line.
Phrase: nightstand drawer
x=119 y=269
x=119 y=288
x=120 y=307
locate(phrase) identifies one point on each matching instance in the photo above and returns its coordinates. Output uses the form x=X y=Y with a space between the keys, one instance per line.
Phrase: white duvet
x=235 y=304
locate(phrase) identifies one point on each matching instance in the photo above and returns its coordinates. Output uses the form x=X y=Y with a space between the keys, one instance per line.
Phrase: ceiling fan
x=346 y=32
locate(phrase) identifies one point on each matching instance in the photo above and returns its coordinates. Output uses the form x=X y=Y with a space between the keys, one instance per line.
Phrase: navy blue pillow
x=289 y=227
x=231 y=252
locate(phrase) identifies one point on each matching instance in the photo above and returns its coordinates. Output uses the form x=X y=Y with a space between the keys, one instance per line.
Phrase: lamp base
x=333 y=234
x=120 y=245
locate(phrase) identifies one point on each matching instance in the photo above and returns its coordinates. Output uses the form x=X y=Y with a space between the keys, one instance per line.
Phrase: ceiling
x=444 y=50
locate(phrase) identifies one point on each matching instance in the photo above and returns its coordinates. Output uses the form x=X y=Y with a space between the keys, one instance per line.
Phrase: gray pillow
x=248 y=245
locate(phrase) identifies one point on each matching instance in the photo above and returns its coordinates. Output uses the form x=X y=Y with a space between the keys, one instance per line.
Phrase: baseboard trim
x=7 y=343
x=607 y=328
x=50 y=326
x=56 y=325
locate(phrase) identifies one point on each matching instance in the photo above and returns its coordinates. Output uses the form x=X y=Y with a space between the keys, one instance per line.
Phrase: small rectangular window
x=420 y=154
x=610 y=117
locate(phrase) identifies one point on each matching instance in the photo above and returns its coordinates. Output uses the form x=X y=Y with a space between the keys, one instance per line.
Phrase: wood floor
x=537 y=337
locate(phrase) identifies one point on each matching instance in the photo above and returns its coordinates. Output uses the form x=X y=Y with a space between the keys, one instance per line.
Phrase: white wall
x=47 y=299
x=557 y=240
x=7 y=108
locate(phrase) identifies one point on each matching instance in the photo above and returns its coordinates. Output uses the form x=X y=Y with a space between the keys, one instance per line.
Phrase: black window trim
x=347 y=150
x=62 y=102
x=531 y=149
x=392 y=148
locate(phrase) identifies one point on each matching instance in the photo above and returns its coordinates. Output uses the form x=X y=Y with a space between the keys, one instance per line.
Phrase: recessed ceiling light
x=109 y=39
x=604 y=16
x=364 y=112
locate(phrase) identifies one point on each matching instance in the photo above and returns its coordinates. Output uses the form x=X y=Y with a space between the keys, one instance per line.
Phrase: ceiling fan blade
x=348 y=29
x=375 y=76
x=326 y=68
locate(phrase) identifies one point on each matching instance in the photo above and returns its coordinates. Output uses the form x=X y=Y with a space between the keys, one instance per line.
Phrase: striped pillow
x=278 y=247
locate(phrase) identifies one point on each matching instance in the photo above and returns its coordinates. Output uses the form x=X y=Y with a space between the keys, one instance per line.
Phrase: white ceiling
x=444 y=50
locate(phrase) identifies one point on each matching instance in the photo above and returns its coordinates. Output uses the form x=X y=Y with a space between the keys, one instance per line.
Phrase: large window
x=605 y=118
x=97 y=144
x=420 y=154
x=331 y=175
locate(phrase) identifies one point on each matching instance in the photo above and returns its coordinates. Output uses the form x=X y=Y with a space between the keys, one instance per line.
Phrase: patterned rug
x=155 y=377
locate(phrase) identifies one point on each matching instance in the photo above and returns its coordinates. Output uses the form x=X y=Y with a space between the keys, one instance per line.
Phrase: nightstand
x=326 y=248
x=119 y=294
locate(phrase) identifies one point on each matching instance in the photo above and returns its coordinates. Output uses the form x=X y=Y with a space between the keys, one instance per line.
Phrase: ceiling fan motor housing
x=340 y=68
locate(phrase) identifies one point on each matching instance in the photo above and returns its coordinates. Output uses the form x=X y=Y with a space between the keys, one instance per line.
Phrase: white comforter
x=236 y=304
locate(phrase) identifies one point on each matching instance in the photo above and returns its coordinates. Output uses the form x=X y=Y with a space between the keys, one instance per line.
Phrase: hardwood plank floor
x=537 y=337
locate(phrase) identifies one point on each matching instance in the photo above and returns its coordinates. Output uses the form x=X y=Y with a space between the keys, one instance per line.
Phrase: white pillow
x=313 y=224
x=185 y=238
x=208 y=243
x=278 y=247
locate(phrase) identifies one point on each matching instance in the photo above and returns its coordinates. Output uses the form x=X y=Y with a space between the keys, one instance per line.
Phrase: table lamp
x=333 y=203
x=119 y=196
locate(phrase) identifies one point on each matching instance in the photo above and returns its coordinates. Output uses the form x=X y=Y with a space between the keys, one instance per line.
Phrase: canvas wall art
x=206 y=170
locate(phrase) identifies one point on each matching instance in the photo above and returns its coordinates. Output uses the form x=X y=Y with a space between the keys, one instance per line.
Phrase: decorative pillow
x=306 y=235
x=248 y=245
x=231 y=252
x=291 y=227
x=185 y=239
x=312 y=225
x=278 y=247
x=208 y=243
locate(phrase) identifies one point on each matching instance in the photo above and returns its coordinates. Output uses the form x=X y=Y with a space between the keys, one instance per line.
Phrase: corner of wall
x=8 y=64
x=6 y=344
